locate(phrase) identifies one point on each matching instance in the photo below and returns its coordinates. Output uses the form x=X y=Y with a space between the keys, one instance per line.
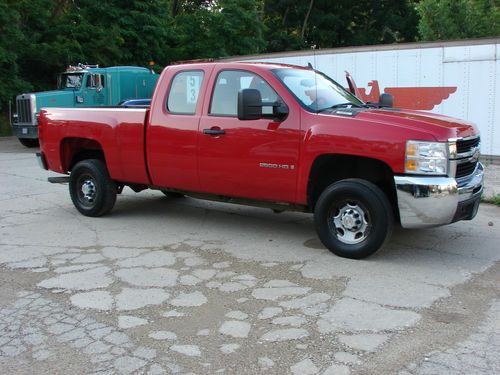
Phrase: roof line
x=370 y=48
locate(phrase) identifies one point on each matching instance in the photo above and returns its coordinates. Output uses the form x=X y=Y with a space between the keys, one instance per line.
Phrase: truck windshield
x=315 y=91
x=70 y=81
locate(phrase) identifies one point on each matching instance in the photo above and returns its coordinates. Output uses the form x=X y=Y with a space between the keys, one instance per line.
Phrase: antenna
x=315 y=74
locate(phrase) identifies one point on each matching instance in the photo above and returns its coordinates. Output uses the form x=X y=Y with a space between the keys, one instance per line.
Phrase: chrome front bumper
x=432 y=201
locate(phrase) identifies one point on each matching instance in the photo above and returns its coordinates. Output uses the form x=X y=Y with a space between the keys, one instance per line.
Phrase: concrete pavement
x=187 y=286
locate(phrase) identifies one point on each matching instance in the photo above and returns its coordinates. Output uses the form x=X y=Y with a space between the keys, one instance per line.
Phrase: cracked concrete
x=185 y=286
x=478 y=354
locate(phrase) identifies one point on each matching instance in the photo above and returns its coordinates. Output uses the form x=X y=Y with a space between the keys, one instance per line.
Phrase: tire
x=172 y=194
x=29 y=142
x=92 y=191
x=353 y=218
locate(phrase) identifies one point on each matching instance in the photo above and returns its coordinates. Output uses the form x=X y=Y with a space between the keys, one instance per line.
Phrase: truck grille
x=24 y=111
x=465 y=169
x=466 y=156
x=464 y=146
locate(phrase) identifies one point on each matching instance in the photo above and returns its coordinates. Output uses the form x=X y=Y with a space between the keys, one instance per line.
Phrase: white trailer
x=456 y=78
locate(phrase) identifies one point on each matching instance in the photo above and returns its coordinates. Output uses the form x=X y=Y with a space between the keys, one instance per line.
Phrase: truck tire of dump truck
x=91 y=189
x=353 y=218
x=29 y=142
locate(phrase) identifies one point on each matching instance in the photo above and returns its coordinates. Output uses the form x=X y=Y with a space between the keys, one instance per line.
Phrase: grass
x=495 y=199
x=5 y=129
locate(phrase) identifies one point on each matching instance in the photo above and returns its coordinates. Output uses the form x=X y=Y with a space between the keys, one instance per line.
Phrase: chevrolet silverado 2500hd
x=278 y=136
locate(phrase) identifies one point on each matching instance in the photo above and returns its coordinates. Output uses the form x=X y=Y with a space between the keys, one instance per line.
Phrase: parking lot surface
x=186 y=286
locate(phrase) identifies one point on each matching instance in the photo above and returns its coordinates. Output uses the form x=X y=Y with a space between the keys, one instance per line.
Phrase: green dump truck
x=82 y=86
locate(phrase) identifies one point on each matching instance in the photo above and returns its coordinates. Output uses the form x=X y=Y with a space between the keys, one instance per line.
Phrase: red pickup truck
x=278 y=136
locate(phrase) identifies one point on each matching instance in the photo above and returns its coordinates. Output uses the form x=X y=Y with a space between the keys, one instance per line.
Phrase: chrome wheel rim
x=350 y=222
x=87 y=190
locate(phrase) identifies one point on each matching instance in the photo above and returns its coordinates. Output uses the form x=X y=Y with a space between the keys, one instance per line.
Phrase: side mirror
x=386 y=100
x=249 y=104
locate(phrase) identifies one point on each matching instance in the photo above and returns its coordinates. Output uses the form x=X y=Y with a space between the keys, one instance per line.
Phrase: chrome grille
x=467 y=157
x=466 y=145
x=465 y=169
x=24 y=111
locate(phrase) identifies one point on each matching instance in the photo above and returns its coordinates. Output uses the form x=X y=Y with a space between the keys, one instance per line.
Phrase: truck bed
x=117 y=132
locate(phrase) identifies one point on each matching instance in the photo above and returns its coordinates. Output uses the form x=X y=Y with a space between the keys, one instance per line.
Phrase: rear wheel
x=353 y=218
x=29 y=142
x=92 y=191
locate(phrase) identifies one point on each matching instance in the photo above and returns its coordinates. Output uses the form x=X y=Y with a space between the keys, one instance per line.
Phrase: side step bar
x=58 y=180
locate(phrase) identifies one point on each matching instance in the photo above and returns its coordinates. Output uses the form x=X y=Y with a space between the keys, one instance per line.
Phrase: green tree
x=38 y=38
x=295 y=24
x=458 y=19
x=210 y=29
x=108 y=32
x=11 y=38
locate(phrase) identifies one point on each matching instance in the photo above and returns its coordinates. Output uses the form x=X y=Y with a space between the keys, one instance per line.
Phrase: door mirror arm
x=280 y=110
x=385 y=101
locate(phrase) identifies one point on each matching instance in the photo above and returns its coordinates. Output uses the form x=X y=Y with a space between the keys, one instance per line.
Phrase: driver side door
x=254 y=159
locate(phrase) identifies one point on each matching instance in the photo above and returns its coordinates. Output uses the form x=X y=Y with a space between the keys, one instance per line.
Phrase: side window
x=93 y=80
x=184 y=92
x=90 y=80
x=227 y=85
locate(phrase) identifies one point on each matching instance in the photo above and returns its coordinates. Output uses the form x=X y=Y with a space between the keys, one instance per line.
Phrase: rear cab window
x=184 y=92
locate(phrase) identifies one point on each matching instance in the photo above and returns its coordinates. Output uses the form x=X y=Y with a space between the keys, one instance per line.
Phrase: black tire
x=353 y=218
x=29 y=142
x=92 y=191
x=172 y=194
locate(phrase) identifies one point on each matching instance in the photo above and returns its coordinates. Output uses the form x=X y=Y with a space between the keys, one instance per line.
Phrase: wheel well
x=74 y=150
x=328 y=169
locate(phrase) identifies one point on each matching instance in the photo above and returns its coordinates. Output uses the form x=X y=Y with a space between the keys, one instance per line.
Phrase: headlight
x=427 y=157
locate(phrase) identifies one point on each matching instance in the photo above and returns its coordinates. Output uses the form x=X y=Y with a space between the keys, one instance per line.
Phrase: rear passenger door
x=173 y=130
x=250 y=159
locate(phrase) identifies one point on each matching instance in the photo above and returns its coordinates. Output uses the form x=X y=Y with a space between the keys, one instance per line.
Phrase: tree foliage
x=323 y=23
x=11 y=37
x=458 y=19
x=208 y=29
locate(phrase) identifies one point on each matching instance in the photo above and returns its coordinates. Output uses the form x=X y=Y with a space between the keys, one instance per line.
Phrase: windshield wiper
x=342 y=105
x=346 y=104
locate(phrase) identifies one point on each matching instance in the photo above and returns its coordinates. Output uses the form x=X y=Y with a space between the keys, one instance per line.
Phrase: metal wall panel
x=471 y=69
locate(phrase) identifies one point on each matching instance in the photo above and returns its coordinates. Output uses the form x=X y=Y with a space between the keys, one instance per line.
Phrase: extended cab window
x=184 y=92
x=227 y=85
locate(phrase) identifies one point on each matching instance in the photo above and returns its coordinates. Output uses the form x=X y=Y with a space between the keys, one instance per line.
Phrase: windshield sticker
x=193 y=88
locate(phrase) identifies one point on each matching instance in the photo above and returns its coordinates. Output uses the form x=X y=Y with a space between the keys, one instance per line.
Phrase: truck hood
x=440 y=127
x=55 y=98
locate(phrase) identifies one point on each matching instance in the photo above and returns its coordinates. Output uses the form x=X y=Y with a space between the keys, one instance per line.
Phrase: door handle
x=214 y=131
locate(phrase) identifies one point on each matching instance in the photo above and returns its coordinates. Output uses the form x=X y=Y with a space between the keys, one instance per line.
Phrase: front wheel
x=353 y=218
x=92 y=191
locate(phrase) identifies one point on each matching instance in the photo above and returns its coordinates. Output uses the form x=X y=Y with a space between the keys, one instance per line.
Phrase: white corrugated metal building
x=463 y=74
